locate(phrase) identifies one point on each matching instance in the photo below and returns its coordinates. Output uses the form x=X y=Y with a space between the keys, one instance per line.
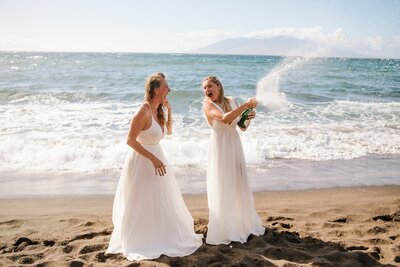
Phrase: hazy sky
x=182 y=25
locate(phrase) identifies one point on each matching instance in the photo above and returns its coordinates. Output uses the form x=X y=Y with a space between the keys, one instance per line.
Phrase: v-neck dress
x=232 y=216
x=149 y=214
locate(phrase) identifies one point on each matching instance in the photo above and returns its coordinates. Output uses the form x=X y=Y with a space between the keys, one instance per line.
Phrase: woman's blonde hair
x=222 y=100
x=152 y=83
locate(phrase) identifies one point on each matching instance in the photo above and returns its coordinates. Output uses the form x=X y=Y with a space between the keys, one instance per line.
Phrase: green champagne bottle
x=244 y=120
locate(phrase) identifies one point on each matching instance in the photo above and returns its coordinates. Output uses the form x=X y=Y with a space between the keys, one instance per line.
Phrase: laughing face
x=163 y=90
x=211 y=90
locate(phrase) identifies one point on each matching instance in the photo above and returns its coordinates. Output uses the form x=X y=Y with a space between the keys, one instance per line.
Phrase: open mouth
x=209 y=94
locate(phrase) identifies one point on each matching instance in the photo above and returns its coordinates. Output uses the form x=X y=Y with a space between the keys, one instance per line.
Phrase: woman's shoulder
x=209 y=105
x=143 y=110
x=207 y=102
x=230 y=98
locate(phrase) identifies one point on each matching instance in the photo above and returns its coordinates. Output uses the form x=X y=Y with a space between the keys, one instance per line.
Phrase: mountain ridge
x=275 y=46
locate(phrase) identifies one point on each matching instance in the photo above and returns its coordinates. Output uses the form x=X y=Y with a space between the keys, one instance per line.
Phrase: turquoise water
x=67 y=115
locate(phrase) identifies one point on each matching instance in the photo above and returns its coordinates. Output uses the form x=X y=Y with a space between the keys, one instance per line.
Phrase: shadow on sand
x=276 y=248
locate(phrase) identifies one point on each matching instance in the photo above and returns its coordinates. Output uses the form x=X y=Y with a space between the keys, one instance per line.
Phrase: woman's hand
x=252 y=114
x=167 y=105
x=158 y=166
x=251 y=103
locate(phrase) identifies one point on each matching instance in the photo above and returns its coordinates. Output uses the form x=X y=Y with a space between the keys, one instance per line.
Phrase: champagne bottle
x=244 y=120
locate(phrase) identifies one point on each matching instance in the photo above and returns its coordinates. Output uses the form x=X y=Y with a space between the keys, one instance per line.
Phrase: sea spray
x=268 y=88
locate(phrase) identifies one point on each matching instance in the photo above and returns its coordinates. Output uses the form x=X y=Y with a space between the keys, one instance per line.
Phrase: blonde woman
x=232 y=216
x=149 y=215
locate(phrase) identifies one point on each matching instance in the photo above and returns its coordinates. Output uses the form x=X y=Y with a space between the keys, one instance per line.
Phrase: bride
x=232 y=216
x=149 y=215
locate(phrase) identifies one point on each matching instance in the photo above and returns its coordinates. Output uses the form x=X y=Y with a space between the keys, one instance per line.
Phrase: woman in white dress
x=149 y=215
x=232 y=216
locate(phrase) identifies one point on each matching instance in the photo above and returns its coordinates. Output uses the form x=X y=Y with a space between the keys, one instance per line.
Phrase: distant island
x=276 y=46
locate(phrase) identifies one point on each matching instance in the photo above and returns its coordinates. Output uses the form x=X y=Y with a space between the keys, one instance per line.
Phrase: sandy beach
x=356 y=226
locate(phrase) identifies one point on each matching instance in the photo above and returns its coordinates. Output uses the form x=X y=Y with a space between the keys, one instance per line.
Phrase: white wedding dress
x=149 y=215
x=232 y=216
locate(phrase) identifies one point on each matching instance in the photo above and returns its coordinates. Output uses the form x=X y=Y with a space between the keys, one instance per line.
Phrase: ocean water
x=321 y=122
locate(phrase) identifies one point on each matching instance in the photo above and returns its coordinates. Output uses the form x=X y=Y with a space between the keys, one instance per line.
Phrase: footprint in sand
x=26 y=260
x=90 y=235
x=388 y=218
x=68 y=248
x=283 y=225
x=378 y=241
x=91 y=248
x=385 y=218
x=331 y=225
x=341 y=220
x=76 y=263
x=48 y=243
x=71 y=220
x=22 y=243
x=279 y=218
x=24 y=240
x=87 y=224
x=11 y=223
x=377 y=230
x=397 y=259
x=100 y=257
x=357 y=248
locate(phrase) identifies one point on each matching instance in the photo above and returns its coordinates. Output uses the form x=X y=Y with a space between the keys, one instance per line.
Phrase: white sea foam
x=318 y=134
x=268 y=88
x=90 y=137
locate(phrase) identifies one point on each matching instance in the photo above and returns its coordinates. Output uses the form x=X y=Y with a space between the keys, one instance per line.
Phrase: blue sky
x=178 y=26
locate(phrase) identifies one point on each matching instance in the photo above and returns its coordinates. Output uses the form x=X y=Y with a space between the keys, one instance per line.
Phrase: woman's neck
x=154 y=105
x=225 y=105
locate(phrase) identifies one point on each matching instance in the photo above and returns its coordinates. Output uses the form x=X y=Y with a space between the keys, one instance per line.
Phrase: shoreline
x=354 y=226
x=277 y=175
x=195 y=195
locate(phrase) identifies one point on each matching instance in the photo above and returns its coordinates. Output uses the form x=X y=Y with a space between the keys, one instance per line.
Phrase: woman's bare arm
x=138 y=124
x=169 y=121
x=213 y=113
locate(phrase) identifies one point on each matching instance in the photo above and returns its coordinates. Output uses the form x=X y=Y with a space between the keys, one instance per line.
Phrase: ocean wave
x=338 y=130
x=24 y=97
x=90 y=136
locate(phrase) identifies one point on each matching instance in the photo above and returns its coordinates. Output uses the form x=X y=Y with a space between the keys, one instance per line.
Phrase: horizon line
x=191 y=53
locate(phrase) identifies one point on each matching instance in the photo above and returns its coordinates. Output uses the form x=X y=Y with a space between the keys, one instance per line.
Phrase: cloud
x=375 y=43
x=394 y=42
x=379 y=46
x=189 y=40
x=209 y=34
x=372 y=46
x=316 y=34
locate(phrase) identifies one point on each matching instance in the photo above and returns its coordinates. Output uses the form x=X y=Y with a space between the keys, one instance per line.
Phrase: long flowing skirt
x=232 y=216
x=149 y=214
